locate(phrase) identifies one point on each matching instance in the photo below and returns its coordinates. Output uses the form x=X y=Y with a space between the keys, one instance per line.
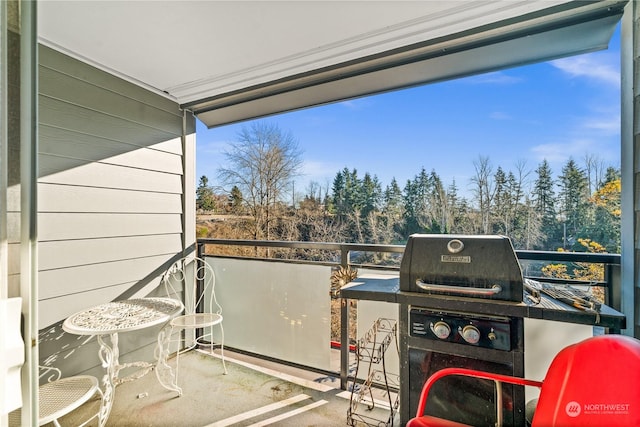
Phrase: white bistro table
x=124 y=316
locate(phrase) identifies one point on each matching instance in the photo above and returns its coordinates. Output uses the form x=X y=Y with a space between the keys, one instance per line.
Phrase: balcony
x=287 y=340
x=99 y=190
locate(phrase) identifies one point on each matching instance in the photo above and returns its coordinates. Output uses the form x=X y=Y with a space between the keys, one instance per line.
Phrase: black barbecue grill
x=457 y=270
x=457 y=265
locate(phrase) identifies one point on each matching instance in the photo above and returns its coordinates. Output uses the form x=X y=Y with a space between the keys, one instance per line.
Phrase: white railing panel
x=275 y=309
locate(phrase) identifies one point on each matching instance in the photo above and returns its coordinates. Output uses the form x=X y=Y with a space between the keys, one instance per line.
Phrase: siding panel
x=55 y=226
x=67 y=198
x=59 y=170
x=69 y=144
x=74 y=253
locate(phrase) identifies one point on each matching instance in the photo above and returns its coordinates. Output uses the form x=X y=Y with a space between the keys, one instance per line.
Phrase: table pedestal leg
x=164 y=372
x=109 y=358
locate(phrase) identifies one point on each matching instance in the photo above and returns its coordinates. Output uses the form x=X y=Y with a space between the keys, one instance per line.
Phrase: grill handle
x=462 y=290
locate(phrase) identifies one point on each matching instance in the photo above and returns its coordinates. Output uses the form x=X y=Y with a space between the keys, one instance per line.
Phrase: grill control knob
x=441 y=329
x=471 y=334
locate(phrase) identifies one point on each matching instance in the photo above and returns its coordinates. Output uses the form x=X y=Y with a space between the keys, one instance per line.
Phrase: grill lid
x=461 y=265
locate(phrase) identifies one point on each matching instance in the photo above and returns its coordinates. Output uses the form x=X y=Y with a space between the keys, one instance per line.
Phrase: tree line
x=535 y=209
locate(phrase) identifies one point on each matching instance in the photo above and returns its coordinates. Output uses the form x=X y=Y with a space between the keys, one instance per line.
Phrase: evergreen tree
x=436 y=204
x=418 y=214
x=611 y=174
x=422 y=187
x=455 y=208
x=235 y=200
x=372 y=226
x=411 y=209
x=426 y=204
x=392 y=212
x=205 y=200
x=544 y=202
x=501 y=218
x=354 y=196
x=573 y=201
x=371 y=194
x=519 y=220
x=338 y=193
x=348 y=203
x=392 y=199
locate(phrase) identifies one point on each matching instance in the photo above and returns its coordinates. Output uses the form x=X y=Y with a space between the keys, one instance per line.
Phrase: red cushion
x=428 y=421
x=592 y=383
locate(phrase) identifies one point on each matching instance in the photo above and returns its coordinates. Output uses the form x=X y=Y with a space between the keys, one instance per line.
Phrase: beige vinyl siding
x=110 y=200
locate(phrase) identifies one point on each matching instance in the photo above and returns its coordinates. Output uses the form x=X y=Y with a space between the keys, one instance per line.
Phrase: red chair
x=595 y=382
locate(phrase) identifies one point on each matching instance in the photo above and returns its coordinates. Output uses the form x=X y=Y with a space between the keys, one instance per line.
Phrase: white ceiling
x=237 y=55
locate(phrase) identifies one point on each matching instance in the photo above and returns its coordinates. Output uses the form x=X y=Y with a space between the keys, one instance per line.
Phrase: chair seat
x=428 y=421
x=197 y=320
x=60 y=397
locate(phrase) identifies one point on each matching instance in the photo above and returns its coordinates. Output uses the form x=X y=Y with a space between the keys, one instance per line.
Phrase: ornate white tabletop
x=122 y=316
x=111 y=318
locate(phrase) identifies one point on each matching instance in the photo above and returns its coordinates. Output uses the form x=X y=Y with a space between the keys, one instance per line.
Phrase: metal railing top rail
x=305 y=245
x=588 y=257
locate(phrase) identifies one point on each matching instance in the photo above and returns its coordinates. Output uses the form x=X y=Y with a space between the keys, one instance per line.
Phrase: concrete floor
x=253 y=393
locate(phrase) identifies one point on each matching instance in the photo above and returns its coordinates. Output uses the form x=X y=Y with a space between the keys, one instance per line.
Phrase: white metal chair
x=58 y=397
x=202 y=312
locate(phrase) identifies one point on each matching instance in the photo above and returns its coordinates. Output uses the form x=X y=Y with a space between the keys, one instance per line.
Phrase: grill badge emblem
x=462 y=259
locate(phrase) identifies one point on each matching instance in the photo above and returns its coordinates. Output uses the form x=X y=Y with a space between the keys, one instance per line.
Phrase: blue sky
x=554 y=111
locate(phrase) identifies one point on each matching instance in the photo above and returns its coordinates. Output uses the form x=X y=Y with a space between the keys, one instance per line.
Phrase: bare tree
x=484 y=191
x=314 y=191
x=523 y=174
x=262 y=163
x=595 y=169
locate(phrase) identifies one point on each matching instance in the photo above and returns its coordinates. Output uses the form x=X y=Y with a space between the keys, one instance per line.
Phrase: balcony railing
x=276 y=294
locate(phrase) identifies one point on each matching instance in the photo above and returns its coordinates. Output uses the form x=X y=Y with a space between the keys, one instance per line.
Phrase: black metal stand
x=370 y=351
